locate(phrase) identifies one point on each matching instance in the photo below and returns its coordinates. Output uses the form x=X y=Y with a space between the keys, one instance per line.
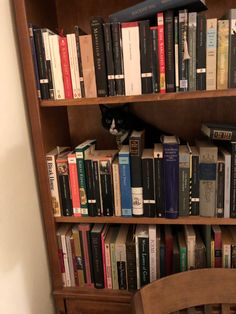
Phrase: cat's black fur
x=119 y=121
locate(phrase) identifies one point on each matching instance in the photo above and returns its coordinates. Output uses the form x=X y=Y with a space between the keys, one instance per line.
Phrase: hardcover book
x=182 y=251
x=217 y=235
x=201 y=52
x=65 y=67
x=192 y=37
x=74 y=184
x=184 y=180
x=195 y=198
x=116 y=186
x=152 y=235
x=223 y=54
x=161 y=51
x=77 y=34
x=169 y=242
x=232 y=48
x=220 y=187
x=159 y=179
x=131 y=259
x=142 y=255
x=115 y=284
x=155 y=61
x=190 y=238
x=227 y=179
x=211 y=54
x=221 y=132
x=78 y=255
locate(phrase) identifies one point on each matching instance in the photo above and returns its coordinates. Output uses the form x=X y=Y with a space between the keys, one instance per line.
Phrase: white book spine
x=152 y=252
x=211 y=54
x=74 y=66
x=108 y=265
x=65 y=258
x=56 y=67
x=226 y=255
x=176 y=54
x=131 y=57
x=227 y=186
x=191 y=252
x=116 y=188
x=137 y=200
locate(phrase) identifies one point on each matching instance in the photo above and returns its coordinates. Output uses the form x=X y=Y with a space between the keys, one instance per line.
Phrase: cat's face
x=114 y=119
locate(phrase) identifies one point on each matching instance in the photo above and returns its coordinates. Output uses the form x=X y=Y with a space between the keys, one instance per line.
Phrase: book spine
x=99 y=56
x=218 y=249
x=233 y=256
x=66 y=261
x=233 y=182
x=211 y=54
x=131 y=266
x=41 y=61
x=74 y=66
x=155 y=60
x=183 y=258
x=149 y=203
x=171 y=182
x=169 y=50
x=232 y=49
x=190 y=253
x=121 y=266
x=159 y=185
x=90 y=188
x=76 y=278
x=116 y=188
x=227 y=186
x=220 y=189
x=108 y=266
x=143 y=244
x=106 y=187
x=115 y=284
x=201 y=52
x=82 y=182
x=161 y=51
x=145 y=53
x=195 y=186
x=65 y=66
x=226 y=255
x=97 y=185
x=85 y=247
x=184 y=184
x=76 y=29
x=109 y=59
x=70 y=260
x=74 y=185
x=152 y=252
x=61 y=260
x=56 y=67
x=192 y=36
x=97 y=260
x=183 y=51
x=168 y=252
x=176 y=53
x=78 y=256
x=223 y=54
x=53 y=184
x=45 y=35
x=118 y=59
x=125 y=185
x=33 y=52
x=131 y=57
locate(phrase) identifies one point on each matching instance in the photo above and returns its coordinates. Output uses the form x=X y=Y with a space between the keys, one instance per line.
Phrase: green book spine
x=183 y=258
x=115 y=284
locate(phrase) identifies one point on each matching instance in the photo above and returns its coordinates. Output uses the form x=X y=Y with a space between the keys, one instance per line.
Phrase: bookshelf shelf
x=195 y=220
x=139 y=98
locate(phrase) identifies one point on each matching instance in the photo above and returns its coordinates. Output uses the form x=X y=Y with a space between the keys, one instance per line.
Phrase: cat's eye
x=108 y=121
x=119 y=121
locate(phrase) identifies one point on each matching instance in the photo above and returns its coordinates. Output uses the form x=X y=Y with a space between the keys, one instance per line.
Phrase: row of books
x=127 y=257
x=186 y=52
x=170 y=180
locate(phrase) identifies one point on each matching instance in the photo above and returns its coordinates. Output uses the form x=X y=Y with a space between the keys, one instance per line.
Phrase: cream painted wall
x=24 y=275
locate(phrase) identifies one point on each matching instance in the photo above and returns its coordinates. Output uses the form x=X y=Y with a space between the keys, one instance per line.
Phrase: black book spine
x=232 y=49
x=169 y=51
x=92 y=210
x=131 y=265
x=66 y=200
x=77 y=34
x=82 y=255
x=145 y=53
x=143 y=245
x=121 y=270
x=149 y=204
x=90 y=255
x=106 y=188
x=155 y=61
x=159 y=183
x=118 y=58
x=201 y=52
x=42 y=66
x=97 y=261
x=99 y=56
x=220 y=189
x=183 y=53
x=233 y=181
x=195 y=186
x=97 y=188
x=109 y=59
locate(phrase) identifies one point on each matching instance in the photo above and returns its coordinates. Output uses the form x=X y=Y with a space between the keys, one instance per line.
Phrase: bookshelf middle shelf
x=190 y=220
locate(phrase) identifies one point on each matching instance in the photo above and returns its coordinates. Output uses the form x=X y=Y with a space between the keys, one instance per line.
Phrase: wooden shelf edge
x=139 y=98
x=192 y=220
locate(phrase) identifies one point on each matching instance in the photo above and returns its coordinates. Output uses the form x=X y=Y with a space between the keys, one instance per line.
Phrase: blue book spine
x=125 y=185
x=171 y=179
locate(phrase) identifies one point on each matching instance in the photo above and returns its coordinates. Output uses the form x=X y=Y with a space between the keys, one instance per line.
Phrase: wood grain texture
x=188 y=289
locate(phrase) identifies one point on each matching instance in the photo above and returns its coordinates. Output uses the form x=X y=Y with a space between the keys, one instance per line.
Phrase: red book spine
x=84 y=230
x=218 y=249
x=74 y=185
x=65 y=66
x=168 y=251
x=161 y=52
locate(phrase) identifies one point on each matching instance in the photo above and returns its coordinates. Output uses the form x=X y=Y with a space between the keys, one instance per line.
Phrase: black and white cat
x=120 y=122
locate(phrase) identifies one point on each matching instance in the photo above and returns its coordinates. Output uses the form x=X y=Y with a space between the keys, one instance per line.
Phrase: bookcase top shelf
x=139 y=98
x=191 y=220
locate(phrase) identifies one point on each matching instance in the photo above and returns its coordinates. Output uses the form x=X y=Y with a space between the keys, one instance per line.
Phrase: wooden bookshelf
x=69 y=122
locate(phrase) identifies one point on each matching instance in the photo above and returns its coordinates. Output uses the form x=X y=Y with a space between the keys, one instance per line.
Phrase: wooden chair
x=214 y=289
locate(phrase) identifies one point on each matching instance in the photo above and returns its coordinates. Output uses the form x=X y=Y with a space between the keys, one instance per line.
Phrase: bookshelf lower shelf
x=192 y=220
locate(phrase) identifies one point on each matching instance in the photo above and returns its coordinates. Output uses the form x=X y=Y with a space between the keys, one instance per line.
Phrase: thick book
x=118 y=58
x=182 y=251
x=161 y=52
x=190 y=238
x=159 y=179
x=77 y=34
x=131 y=58
x=227 y=241
x=136 y=146
x=201 y=52
x=171 y=176
x=232 y=48
x=142 y=255
x=131 y=259
x=109 y=59
x=211 y=54
x=148 y=179
x=227 y=179
x=222 y=54
x=169 y=50
x=65 y=66
x=184 y=180
x=218 y=131
x=155 y=60
x=145 y=53
x=99 y=56
x=192 y=37
x=146 y=9
x=195 y=182
x=78 y=255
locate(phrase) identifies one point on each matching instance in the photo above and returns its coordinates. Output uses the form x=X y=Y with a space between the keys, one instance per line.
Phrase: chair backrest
x=187 y=290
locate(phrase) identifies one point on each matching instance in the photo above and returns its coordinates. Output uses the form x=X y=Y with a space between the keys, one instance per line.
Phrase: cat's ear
x=103 y=108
